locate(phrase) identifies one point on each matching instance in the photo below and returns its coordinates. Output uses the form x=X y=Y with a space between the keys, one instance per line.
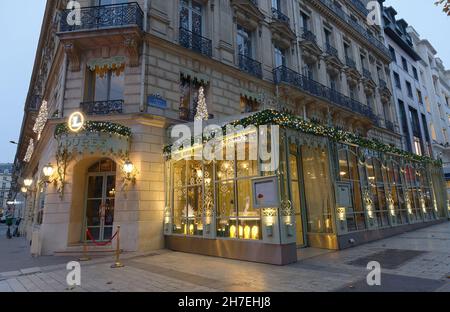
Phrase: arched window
x=100 y=200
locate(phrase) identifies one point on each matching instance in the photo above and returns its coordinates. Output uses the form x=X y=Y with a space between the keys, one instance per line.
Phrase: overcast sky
x=20 y=34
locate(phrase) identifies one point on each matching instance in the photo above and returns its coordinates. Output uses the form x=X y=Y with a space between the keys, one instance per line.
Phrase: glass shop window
x=105 y=84
x=317 y=189
x=377 y=180
x=187 y=181
x=189 y=96
x=413 y=192
x=349 y=171
x=235 y=216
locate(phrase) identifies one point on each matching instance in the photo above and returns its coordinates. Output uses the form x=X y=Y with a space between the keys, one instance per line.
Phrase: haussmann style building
x=106 y=91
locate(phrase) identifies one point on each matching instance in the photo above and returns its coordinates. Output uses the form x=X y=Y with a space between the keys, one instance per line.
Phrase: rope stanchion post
x=85 y=256
x=118 y=264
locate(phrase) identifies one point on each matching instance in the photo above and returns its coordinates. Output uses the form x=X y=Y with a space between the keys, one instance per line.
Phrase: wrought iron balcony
x=250 y=66
x=283 y=74
x=187 y=114
x=195 y=42
x=366 y=73
x=350 y=62
x=360 y=6
x=360 y=29
x=309 y=36
x=103 y=107
x=382 y=83
x=330 y=50
x=104 y=16
x=279 y=16
x=389 y=125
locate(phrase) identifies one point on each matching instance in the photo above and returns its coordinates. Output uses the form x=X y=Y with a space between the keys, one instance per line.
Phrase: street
x=414 y=261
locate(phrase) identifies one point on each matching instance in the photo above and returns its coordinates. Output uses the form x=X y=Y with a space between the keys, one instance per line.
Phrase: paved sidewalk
x=414 y=261
x=15 y=254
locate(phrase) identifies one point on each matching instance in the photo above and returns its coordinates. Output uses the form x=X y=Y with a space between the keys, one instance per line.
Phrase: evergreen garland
x=97 y=126
x=287 y=120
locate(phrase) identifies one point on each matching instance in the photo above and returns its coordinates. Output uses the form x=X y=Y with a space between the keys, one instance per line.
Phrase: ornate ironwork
x=286 y=75
x=366 y=73
x=360 y=29
x=350 y=62
x=330 y=50
x=103 y=107
x=250 y=66
x=309 y=36
x=360 y=6
x=195 y=42
x=389 y=125
x=279 y=16
x=104 y=16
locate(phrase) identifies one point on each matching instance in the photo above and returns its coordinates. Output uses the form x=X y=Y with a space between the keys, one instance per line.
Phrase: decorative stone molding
x=74 y=56
x=132 y=46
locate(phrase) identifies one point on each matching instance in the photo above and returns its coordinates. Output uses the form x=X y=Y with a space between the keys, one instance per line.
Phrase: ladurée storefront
x=331 y=189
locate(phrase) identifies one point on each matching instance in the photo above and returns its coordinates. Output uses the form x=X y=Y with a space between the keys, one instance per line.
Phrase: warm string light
x=97 y=126
x=30 y=151
x=41 y=119
x=273 y=117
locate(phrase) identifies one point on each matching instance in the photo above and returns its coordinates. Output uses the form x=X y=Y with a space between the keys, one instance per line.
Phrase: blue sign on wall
x=156 y=101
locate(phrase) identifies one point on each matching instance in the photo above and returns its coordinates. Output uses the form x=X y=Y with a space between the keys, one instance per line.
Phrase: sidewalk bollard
x=85 y=256
x=117 y=264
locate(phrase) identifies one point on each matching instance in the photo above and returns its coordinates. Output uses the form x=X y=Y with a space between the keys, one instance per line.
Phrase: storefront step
x=92 y=250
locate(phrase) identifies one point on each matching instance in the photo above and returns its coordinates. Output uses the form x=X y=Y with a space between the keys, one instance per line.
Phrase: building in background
x=104 y=93
x=5 y=185
x=409 y=91
x=435 y=79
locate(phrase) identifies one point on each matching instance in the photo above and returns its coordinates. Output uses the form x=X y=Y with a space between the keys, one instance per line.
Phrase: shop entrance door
x=297 y=194
x=100 y=200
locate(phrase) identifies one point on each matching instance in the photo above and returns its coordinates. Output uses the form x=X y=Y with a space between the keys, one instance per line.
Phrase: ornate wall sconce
x=48 y=171
x=129 y=175
x=129 y=172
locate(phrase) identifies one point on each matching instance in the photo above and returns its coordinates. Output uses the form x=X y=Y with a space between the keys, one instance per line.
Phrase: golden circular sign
x=76 y=122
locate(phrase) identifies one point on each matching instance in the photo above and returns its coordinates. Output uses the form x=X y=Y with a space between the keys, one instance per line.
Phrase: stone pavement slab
x=416 y=261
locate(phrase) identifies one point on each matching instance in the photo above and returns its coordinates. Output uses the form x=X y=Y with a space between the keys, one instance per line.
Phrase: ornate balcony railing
x=350 y=62
x=250 y=66
x=366 y=73
x=389 y=125
x=104 y=16
x=195 y=42
x=279 y=16
x=309 y=36
x=187 y=114
x=360 y=6
x=286 y=75
x=361 y=30
x=330 y=50
x=103 y=107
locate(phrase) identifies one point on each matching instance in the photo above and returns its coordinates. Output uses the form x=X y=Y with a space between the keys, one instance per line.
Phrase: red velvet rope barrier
x=97 y=243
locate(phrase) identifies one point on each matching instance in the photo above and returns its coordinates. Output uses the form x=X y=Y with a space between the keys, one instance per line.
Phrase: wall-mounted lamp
x=128 y=169
x=48 y=171
x=24 y=189
x=28 y=182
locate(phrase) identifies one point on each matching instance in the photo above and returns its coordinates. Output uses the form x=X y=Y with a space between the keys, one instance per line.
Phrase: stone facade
x=330 y=47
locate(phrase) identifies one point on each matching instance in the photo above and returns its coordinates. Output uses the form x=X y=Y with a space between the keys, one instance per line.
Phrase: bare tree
x=446 y=5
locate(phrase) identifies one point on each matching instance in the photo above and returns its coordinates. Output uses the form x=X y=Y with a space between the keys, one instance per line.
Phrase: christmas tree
x=202 y=110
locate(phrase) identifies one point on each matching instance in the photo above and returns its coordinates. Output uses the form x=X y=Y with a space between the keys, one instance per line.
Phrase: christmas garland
x=287 y=120
x=97 y=126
